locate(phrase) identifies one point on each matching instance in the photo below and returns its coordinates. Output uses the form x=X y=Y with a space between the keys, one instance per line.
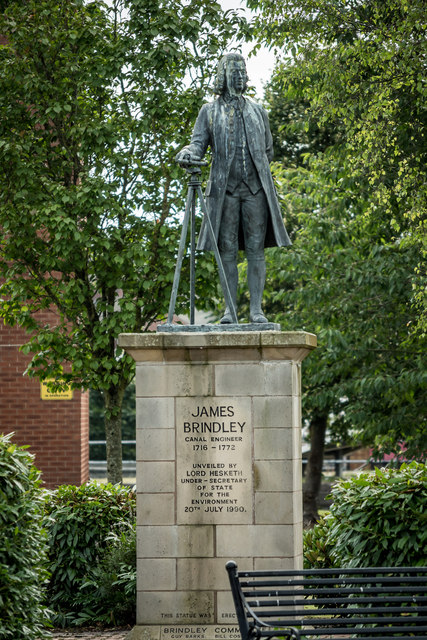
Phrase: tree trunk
x=113 y=398
x=313 y=474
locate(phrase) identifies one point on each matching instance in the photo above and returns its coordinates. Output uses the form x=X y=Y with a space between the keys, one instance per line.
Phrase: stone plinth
x=218 y=471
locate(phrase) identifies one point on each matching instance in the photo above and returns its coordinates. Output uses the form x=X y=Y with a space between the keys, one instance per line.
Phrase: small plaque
x=47 y=394
x=214 y=460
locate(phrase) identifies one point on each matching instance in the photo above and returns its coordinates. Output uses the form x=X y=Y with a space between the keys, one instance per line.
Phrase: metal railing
x=103 y=442
x=98 y=468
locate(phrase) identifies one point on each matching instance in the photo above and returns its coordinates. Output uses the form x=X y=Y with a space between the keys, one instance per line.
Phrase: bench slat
x=406 y=611
x=410 y=580
x=367 y=590
x=331 y=572
x=345 y=599
x=350 y=621
x=412 y=597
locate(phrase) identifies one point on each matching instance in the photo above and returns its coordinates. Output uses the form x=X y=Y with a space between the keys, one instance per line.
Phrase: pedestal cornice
x=270 y=345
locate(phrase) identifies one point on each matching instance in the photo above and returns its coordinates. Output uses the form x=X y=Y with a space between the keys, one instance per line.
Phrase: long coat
x=214 y=127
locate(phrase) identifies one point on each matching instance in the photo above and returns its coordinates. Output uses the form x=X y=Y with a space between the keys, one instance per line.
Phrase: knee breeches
x=251 y=212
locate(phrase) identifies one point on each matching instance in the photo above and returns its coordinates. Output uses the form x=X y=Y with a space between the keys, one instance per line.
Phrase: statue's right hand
x=184 y=158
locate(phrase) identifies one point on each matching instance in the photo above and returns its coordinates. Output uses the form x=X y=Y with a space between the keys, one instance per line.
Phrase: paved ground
x=90 y=634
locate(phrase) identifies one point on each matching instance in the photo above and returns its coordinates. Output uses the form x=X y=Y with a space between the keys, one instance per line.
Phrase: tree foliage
x=352 y=80
x=95 y=99
x=347 y=103
x=362 y=64
x=349 y=280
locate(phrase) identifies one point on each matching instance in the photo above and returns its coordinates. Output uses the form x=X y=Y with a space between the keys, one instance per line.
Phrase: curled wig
x=220 y=84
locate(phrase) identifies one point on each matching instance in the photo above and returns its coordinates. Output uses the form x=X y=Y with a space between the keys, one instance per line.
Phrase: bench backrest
x=380 y=602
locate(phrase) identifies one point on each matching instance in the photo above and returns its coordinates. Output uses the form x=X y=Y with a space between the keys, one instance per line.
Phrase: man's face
x=236 y=75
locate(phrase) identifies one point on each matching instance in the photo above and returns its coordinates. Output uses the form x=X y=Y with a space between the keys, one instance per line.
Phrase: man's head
x=231 y=74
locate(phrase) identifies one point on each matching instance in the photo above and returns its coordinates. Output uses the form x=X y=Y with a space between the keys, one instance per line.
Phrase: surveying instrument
x=195 y=189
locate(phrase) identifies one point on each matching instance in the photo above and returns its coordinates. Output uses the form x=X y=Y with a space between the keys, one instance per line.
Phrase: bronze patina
x=241 y=200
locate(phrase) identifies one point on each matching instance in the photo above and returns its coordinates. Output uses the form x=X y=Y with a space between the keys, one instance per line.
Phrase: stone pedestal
x=218 y=471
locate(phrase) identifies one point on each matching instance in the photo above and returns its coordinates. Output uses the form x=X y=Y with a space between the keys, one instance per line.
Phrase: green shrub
x=109 y=594
x=22 y=545
x=379 y=519
x=81 y=521
x=318 y=546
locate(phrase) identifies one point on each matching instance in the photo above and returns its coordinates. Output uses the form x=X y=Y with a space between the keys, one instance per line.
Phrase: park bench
x=370 y=603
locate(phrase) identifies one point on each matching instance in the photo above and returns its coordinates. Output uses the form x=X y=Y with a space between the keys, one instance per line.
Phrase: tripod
x=195 y=187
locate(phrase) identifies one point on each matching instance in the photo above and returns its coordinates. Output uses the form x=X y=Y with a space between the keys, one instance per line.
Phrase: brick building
x=56 y=430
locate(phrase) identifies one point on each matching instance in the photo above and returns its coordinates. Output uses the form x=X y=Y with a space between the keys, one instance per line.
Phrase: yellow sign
x=47 y=394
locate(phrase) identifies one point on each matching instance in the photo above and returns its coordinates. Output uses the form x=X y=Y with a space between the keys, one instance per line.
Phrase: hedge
x=23 y=546
x=376 y=519
x=86 y=526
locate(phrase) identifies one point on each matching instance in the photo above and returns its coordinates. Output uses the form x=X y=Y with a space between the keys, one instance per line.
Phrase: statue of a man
x=240 y=195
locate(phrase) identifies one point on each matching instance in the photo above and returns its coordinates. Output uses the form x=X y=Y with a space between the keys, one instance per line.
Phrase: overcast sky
x=259 y=67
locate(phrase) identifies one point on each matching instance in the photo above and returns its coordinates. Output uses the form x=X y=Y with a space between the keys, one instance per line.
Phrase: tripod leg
x=190 y=198
x=223 y=279
x=193 y=260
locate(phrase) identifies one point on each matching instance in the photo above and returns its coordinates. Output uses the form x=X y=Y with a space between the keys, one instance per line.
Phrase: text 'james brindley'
x=214 y=427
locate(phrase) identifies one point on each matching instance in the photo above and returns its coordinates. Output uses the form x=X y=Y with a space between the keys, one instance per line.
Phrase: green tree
x=296 y=133
x=349 y=281
x=362 y=63
x=95 y=99
x=357 y=202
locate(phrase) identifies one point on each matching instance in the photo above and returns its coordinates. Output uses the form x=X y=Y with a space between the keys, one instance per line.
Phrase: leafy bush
x=376 y=519
x=22 y=545
x=379 y=519
x=81 y=521
x=318 y=546
x=109 y=594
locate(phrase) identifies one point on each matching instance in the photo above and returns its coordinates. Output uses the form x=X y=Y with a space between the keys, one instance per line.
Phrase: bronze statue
x=240 y=195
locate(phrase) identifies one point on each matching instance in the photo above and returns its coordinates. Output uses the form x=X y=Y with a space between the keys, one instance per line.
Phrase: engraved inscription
x=214 y=465
x=200 y=632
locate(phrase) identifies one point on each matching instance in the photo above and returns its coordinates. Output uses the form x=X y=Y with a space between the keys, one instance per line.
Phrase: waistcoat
x=242 y=167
